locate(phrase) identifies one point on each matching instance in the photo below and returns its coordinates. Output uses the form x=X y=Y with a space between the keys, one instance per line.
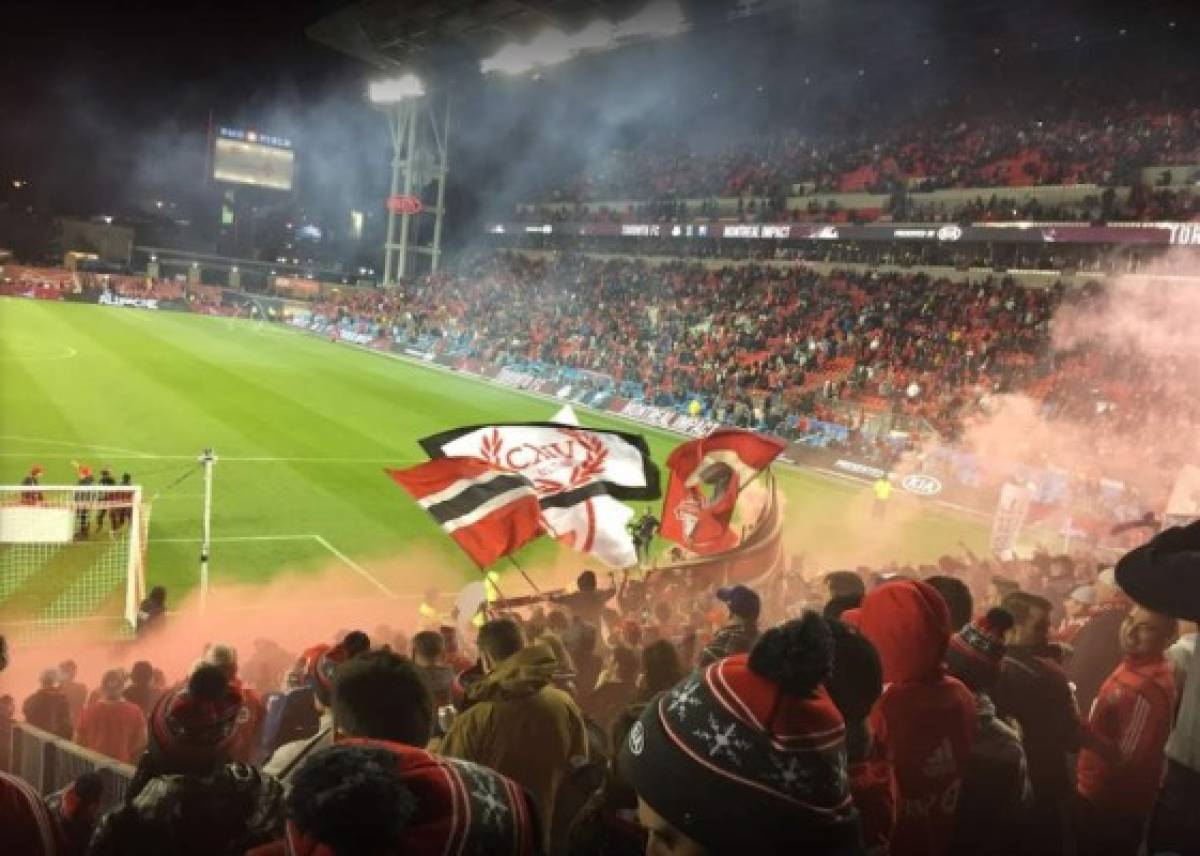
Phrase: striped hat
x=196 y=724
x=975 y=652
x=315 y=669
x=750 y=751
x=387 y=797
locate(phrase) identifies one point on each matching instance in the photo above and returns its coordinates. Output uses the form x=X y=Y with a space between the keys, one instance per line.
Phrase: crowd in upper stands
x=967 y=707
x=1062 y=132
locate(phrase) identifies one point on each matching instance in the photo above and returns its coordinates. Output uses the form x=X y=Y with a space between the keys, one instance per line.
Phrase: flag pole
x=532 y=584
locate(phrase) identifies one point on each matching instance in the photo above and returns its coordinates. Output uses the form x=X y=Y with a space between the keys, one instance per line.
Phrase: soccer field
x=302 y=429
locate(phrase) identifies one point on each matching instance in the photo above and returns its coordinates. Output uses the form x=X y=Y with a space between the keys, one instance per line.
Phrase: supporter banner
x=1179 y=234
x=1011 y=511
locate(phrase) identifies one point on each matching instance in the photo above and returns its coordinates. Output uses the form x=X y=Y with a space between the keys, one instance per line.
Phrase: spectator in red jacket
x=250 y=720
x=111 y=725
x=1121 y=764
x=925 y=720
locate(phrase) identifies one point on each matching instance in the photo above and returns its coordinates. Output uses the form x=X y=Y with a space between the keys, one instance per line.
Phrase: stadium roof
x=424 y=35
x=420 y=34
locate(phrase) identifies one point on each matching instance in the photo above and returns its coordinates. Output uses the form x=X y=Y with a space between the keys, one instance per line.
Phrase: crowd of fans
x=964 y=148
x=969 y=707
x=807 y=356
x=756 y=347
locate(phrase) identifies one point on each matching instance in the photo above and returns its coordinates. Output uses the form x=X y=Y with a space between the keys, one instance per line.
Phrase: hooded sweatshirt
x=521 y=726
x=925 y=720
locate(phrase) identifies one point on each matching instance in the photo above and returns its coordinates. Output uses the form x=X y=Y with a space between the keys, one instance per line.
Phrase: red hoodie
x=925 y=720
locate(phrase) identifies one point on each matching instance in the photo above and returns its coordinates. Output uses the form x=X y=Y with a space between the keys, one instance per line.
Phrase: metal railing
x=50 y=763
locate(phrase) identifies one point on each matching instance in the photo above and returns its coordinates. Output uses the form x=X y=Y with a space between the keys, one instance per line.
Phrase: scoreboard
x=248 y=157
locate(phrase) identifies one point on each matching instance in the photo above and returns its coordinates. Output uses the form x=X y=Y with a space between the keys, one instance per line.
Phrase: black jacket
x=227 y=810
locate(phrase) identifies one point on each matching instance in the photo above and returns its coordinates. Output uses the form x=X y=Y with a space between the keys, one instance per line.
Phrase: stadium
x=723 y=391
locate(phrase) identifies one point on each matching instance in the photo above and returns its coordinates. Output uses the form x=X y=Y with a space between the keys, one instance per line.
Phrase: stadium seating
x=1007 y=160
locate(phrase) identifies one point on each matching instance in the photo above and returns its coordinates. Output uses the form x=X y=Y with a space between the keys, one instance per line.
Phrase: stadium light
x=393 y=89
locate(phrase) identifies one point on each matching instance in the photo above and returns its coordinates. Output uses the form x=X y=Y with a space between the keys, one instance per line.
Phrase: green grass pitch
x=302 y=429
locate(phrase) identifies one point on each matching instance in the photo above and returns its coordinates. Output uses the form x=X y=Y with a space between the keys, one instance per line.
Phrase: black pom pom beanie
x=749 y=753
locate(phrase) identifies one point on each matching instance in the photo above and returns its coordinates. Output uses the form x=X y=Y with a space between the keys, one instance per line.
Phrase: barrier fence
x=50 y=763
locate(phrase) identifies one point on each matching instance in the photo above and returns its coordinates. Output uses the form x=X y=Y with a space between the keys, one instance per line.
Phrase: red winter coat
x=113 y=728
x=925 y=720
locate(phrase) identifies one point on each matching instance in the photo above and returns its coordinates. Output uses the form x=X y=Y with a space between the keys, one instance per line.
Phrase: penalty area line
x=310 y=536
x=355 y=566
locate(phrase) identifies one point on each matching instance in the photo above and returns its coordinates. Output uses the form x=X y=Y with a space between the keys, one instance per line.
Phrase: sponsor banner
x=862 y=471
x=355 y=337
x=1177 y=234
x=110 y=299
x=921 y=484
x=517 y=379
x=662 y=417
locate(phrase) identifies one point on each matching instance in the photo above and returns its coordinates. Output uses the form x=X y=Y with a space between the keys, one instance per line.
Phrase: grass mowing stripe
x=87 y=592
x=60 y=572
x=20 y=568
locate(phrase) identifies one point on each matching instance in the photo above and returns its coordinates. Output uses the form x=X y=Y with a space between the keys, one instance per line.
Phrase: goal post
x=70 y=553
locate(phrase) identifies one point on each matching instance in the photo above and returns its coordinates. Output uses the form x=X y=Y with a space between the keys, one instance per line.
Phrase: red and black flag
x=580 y=475
x=706 y=477
x=489 y=512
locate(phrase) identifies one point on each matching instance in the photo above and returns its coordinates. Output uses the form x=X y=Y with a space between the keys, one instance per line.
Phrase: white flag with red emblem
x=580 y=476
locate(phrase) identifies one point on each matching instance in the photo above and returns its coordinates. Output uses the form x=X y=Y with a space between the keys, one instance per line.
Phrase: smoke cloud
x=1122 y=396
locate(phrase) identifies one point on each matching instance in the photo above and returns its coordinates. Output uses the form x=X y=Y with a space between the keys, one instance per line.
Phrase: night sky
x=103 y=103
x=82 y=86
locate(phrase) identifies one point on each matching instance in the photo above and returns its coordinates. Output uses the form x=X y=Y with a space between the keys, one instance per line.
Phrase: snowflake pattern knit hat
x=976 y=652
x=448 y=805
x=751 y=750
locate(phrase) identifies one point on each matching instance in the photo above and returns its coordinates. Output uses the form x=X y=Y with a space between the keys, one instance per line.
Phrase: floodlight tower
x=420 y=128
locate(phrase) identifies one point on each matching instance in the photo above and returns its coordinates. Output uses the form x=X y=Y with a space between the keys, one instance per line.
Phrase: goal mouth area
x=70 y=554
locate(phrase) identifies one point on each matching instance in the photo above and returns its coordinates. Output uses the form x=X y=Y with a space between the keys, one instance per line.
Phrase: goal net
x=69 y=554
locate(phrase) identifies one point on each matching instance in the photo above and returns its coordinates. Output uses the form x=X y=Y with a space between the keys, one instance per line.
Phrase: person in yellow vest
x=883 y=492
x=694 y=408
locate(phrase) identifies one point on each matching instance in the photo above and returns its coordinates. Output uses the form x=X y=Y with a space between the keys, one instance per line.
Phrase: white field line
x=338 y=554
x=356 y=566
x=253 y=607
x=69 y=354
x=235 y=459
x=304 y=537
x=75 y=445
